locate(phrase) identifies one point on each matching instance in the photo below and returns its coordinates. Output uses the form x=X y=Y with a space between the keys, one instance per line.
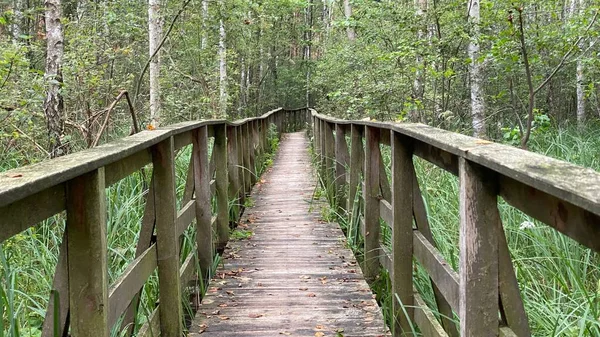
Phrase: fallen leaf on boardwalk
x=229 y=292
x=483 y=142
x=319 y=334
x=311 y=295
x=303 y=289
x=319 y=327
x=285 y=333
x=224 y=318
x=255 y=315
x=16 y=175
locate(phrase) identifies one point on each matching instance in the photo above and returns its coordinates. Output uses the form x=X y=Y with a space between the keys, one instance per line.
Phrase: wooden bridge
x=295 y=275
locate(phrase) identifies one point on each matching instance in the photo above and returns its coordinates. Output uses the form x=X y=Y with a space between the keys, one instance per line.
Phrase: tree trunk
x=348 y=14
x=580 y=78
x=53 y=103
x=204 y=20
x=222 y=70
x=419 y=83
x=476 y=73
x=154 y=38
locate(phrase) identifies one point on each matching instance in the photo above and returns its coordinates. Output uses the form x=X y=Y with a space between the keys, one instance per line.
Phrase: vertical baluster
x=163 y=161
x=329 y=155
x=478 y=288
x=372 y=196
x=87 y=249
x=341 y=161
x=356 y=164
x=240 y=166
x=221 y=181
x=202 y=202
x=233 y=174
x=402 y=236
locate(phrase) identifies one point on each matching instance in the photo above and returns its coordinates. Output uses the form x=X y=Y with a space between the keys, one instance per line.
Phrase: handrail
x=562 y=195
x=77 y=182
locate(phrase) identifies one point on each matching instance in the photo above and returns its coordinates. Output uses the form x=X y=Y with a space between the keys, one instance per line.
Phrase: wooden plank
x=25 y=181
x=386 y=212
x=440 y=272
x=185 y=216
x=187 y=271
x=512 y=308
x=402 y=228
x=356 y=163
x=573 y=221
x=222 y=181
x=478 y=286
x=422 y=222
x=167 y=239
x=152 y=327
x=59 y=296
x=204 y=244
x=371 y=210
x=426 y=320
x=247 y=169
x=182 y=139
x=129 y=284
x=126 y=166
x=329 y=155
x=342 y=160
x=443 y=159
x=295 y=272
x=233 y=189
x=86 y=239
x=17 y=217
x=384 y=183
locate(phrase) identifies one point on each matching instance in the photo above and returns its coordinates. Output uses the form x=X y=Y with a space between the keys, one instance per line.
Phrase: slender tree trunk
x=476 y=72
x=204 y=20
x=419 y=83
x=580 y=78
x=348 y=14
x=308 y=47
x=242 y=100
x=53 y=103
x=154 y=38
x=223 y=97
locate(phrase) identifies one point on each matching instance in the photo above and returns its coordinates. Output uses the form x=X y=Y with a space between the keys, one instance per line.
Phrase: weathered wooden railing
x=76 y=183
x=484 y=294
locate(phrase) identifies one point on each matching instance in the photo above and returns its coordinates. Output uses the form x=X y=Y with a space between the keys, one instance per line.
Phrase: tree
x=154 y=40
x=476 y=71
x=53 y=104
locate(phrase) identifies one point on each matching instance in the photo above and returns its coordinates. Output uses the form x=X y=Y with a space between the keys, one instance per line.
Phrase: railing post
x=402 y=233
x=253 y=151
x=316 y=137
x=167 y=241
x=233 y=173
x=202 y=202
x=356 y=164
x=329 y=155
x=372 y=197
x=221 y=181
x=478 y=287
x=87 y=249
x=322 y=150
x=341 y=161
x=240 y=163
x=247 y=145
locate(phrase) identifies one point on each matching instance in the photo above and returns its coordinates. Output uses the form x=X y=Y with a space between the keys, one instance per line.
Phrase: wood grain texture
x=372 y=196
x=294 y=276
x=402 y=232
x=86 y=241
x=478 y=286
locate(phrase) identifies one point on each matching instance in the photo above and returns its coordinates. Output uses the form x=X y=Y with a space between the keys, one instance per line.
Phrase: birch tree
x=476 y=71
x=348 y=14
x=154 y=38
x=53 y=103
x=580 y=76
x=223 y=95
x=419 y=83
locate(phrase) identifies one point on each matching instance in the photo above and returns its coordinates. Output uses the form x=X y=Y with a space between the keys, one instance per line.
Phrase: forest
x=75 y=74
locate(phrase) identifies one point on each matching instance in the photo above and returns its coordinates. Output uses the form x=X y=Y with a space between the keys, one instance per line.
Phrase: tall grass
x=559 y=279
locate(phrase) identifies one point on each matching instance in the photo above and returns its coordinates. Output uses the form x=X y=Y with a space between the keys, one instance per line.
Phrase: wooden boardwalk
x=294 y=276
